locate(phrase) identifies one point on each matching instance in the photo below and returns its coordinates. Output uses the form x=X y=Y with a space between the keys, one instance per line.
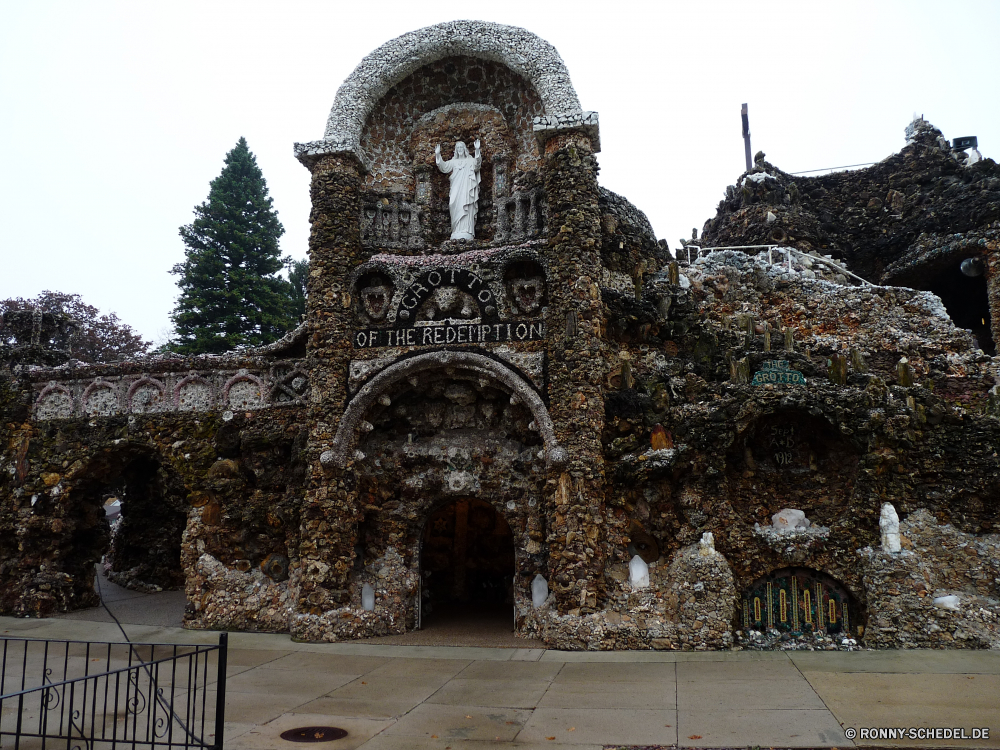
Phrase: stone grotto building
x=556 y=418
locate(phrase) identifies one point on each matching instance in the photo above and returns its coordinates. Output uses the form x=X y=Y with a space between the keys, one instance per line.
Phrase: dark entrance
x=467 y=567
x=130 y=512
x=965 y=298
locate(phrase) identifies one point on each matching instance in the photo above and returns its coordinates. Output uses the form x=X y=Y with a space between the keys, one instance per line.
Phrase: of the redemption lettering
x=452 y=333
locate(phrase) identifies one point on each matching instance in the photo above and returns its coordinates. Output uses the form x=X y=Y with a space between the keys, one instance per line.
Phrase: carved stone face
x=375 y=299
x=528 y=293
x=445 y=297
x=461 y=151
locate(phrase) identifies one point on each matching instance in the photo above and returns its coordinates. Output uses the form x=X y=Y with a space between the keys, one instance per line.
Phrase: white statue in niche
x=463 y=198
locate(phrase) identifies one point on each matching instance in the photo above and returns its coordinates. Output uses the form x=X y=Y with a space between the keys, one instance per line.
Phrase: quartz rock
x=889 y=525
x=707 y=544
x=789 y=519
x=638 y=572
x=539 y=591
x=946 y=602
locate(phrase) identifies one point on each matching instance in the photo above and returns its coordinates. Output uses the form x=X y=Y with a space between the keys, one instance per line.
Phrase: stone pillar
x=329 y=510
x=577 y=355
x=992 y=259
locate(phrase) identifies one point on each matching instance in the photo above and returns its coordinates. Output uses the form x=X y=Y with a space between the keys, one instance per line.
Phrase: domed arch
x=523 y=52
x=477 y=363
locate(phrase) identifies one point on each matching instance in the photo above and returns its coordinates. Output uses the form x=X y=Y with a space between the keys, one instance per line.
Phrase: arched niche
x=799 y=601
x=792 y=459
x=511 y=50
x=522 y=52
x=378 y=390
x=439 y=105
x=502 y=151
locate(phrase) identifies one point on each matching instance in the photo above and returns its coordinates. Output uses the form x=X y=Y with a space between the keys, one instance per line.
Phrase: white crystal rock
x=946 y=602
x=638 y=573
x=367 y=597
x=539 y=591
x=707 y=544
x=789 y=519
x=889 y=525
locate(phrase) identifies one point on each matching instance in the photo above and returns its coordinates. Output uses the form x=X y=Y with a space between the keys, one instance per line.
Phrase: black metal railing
x=88 y=695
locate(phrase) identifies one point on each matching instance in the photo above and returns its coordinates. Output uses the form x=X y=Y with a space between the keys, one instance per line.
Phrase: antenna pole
x=746 y=134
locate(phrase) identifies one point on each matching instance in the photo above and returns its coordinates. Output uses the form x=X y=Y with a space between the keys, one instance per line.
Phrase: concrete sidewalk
x=465 y=698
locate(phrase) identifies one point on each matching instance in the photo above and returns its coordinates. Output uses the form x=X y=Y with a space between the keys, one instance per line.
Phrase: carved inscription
x=451 y=333
x=421 y=290
x=782 y=442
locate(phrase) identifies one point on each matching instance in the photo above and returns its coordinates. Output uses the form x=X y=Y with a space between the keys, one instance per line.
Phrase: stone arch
x=145 y=552
x=146 y=395
x=523 y=52
x=54 y=402
x=100 y=399
x=352 y=418
x=520 y=50
x=193 y=393
x=239 y=392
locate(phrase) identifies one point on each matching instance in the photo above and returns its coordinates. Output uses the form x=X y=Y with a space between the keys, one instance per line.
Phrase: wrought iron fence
x=88 y=695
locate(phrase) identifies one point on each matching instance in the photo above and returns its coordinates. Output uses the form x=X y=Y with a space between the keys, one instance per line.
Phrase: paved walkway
x=467 y=698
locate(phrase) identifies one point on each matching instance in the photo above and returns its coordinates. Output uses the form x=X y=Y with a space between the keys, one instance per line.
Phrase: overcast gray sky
x=116 y=115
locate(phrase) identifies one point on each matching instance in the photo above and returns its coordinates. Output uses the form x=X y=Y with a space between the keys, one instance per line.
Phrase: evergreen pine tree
x=230 y=296
x=298 y=277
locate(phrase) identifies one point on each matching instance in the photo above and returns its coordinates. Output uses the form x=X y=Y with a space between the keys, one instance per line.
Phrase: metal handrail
x=789 y=250
x=76 y=709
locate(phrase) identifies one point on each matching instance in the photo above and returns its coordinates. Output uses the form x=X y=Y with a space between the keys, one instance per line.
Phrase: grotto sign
x=443 y=334
x=445 y=289
x=777 y=371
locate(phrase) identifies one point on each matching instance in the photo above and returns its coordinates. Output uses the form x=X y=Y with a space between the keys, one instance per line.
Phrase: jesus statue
x=463 y=199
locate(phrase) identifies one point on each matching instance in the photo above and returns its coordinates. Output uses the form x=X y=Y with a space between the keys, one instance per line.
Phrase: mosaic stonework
x=386 y=139
x=183 y=391
x=556 y=419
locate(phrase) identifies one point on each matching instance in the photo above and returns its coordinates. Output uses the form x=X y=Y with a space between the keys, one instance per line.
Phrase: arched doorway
x=467 y=568
x=129 y=519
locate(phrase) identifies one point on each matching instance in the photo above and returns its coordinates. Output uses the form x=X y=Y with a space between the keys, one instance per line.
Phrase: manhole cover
x=314 y=734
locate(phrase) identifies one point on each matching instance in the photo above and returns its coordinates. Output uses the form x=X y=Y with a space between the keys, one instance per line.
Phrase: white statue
x=889 y=526
x=463 y=199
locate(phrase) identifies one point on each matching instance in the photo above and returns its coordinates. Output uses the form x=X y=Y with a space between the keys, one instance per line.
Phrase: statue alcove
x=446 y=126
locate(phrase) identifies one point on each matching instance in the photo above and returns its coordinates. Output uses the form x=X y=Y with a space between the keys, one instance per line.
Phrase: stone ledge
x=548 y=126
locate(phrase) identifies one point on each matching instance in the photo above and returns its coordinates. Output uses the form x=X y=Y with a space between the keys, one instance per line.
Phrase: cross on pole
x=746 y=134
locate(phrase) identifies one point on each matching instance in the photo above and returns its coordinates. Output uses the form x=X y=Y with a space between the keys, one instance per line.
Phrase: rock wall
x=551 y=392
x=909 y=590
x=868 y=217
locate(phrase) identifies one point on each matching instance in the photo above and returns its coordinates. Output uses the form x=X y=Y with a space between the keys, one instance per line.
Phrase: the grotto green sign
x=777 y=371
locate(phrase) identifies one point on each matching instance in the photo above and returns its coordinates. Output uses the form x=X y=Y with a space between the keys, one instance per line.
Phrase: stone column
x=577 y=355
x=329 y=510
x=992 y=259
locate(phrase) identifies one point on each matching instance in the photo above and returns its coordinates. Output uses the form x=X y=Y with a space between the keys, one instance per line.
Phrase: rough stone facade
x=556 y=402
